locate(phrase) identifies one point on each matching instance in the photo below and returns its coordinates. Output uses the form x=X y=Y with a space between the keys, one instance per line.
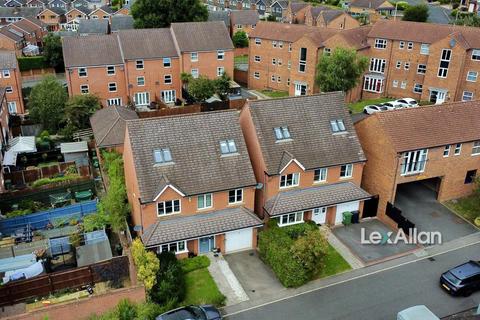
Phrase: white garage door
x=343 y=207
x=238 y=240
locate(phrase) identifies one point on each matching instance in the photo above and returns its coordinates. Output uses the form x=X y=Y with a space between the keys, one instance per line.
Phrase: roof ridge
x=298 y=97
x=184 y=115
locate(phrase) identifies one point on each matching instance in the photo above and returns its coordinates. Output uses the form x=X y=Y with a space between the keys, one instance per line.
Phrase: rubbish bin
x=355 y=216
x=347 y=218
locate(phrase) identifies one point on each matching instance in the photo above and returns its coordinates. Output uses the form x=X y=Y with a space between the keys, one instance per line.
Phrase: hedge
x=192 y=264
x=30 y=63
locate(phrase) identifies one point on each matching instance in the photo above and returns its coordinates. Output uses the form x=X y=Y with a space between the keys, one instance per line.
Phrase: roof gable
x=201 y=36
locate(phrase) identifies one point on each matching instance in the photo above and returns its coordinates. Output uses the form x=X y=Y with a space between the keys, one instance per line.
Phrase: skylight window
x=162 y=155
x=228 y=147
x=281 y=133
x=337 y=125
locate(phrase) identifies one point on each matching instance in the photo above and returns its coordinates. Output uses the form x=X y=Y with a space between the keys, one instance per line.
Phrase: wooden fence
x=114 y=269
x=170 y=111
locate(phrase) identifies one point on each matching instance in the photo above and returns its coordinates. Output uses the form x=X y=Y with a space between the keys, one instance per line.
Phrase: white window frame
x=12 y=107
x=467 y=96
x=298 y=217
x=110 y=71
x=406 y=66
x=476 y=148
x=205 y=198
x=418 y=88
x=167 y=79
x=167 y=62
x=220 y=54
x=401 y=45
x=373 y=84
x=403 y=85
x=476 y=54
x=258 y=41
x=193 y=56
x=139 y=64
x=443 y=71
x=82 y=72
x=398 y=65
x=220 y=71
x=380 y=44
x=414 y=162
x=302 y=64
x=9 y=89
x=237 y=193
x=257 y=58
x=446 y=150
x=170 y=94
x=348 y=171
x=377 y=65
x=293 y=177
x=169 y=245
x=112 y=87
x=421 y=68
x=395 y=83
x=410 y=46
x=472 y=76
x=139 y=83
x=425 y=49
x=256 y=75
x=195 y=73
x=114 y=102
x=144 y=98
x=6 y=73
x=458 y=149
x=159 y=214
x=322 y=175
x=84 y=89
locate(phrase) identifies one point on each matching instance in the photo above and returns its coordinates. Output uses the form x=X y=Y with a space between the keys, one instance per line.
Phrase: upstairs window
x=228 y=147
x=235 y=196
x=410 y=46
x=337 y=125
x=220 y=55
x=320 y=175
x=302 y=63
x=204 y=201
x=414 y=161
x=472 y=76
x=194 y=56
x=377 y=65
x=346 y=171
x=380 y=43
x=110 y=70
x=112 y=87
x=446 y=151
x=258 y=41
x=401 y=45
x=425 y=48
x=458 y=149
x=444 y=63
x=476 y=54
x=82 y=72
x=289 y=180
x=281 y=133
x=139 y=64
x=476 y=148
x=167 y=62
x=6 y=73
x=168 y=207
x=422 y=69
x=162 y=156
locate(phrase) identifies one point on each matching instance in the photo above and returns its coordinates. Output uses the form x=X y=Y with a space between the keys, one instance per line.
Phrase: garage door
x=343 y=207
x=238 y=240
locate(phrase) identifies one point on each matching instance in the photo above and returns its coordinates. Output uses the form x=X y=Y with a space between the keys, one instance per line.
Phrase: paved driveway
x=256 y=278
x=419 y=205
x=370 y=253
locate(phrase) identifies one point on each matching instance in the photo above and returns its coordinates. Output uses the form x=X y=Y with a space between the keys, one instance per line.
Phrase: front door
x=300 y=89
x=319 y=215
x=206 y=244
x=438 y=96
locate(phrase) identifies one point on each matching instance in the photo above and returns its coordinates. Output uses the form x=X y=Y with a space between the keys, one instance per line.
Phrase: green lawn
x=241 y=59
x=357 y=107
x=334 y=263
x=275 y=94
x=201 y=289
x=466 y=207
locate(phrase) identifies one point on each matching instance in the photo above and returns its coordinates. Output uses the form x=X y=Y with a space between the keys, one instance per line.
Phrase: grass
x=334 y=263
x=241 y=59
x=357 y=107
x=275 y=94
x=466 y=207
x=47 y=164
x=201 y=289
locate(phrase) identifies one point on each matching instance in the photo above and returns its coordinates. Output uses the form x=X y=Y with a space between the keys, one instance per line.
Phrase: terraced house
x=144 y=66
x=306 y=157
x=11 y=81
x=190 y=183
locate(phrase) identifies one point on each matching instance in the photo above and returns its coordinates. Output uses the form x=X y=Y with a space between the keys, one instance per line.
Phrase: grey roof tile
x=93 y=26
x=314 y=197
x=145 y=43
x=121 y=22
x=244 y=17
x=202 y=36
x=93 y=50
x=219 y=16
x=8 y=60
x=108 y=125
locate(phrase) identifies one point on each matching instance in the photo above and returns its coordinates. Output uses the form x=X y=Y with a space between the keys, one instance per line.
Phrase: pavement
x=368 y=253
x=419 y=205
x=375 y=292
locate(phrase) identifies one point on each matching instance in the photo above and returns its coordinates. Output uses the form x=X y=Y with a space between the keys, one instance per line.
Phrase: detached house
x=190 y=183
x=374 y=9
x=306 y=157
x=435 y=145
x=243 y=20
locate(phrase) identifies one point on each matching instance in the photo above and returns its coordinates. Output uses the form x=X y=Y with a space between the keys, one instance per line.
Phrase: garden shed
x=75 y=152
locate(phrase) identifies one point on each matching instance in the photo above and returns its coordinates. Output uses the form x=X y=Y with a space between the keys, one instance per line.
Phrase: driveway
x=370 y=253
x=419 y=205
x=256 y=278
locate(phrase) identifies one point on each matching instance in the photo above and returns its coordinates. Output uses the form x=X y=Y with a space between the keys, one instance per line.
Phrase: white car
x=373 y=108
x=409 y=102
x=391 y=105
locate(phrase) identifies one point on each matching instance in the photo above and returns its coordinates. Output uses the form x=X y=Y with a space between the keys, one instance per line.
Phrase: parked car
x=409 y=102
x=203 y=312
x=417 y=313
x=391 y=105
x=372 y=108
x=462 y=280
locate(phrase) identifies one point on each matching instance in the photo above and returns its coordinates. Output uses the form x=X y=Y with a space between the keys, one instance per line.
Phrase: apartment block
x=143 y=66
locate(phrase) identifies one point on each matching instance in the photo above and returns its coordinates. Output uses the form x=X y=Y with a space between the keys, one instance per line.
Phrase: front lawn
x=333 y=264
x=275 y=94
x=466 y=207
x=202 y=289
x=357 y=107
x=241 y=59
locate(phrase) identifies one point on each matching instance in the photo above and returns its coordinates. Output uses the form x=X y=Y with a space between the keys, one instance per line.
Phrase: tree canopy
x=52 y=51
x=161 y=13
x=418 y=13
x=78 y=110
x=240 y=39
x=203 y=88
x=46 y=103
x=470 y=20
x=340 y=71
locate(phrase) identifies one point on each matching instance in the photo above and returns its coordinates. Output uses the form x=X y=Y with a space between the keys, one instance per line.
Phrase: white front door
x=441 y=97
x=345 y=207
x=319 y=215
x=300 y=89
x=238 y=240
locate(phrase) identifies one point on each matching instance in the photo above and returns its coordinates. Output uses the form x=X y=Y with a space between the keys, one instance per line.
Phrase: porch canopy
x=18 y=145
x=314 y=197
x=199 y=225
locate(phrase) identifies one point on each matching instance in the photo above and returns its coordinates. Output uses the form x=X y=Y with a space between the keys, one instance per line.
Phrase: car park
x=462 y=280
x=408 y=102
x=203 y=312
x=373 y=108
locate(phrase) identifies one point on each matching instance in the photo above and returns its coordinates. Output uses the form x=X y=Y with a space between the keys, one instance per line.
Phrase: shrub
x=147 y=264
x=170 y=283
x=45 y=181
x=18 y=213
x=191 y=264
x=150 y=310
x=125 y=310
x=310 y=251
x=298 y=230
x=96 y=221
x=240 y=39
x=30 y=63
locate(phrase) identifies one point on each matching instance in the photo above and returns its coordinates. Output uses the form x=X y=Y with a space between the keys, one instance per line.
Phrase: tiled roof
x=108 y=125
x=329 y=15
x=356 y=37
x=93 y=26
x=6 y=12
x=199 y=225
x=147 y=43
x=121 y=22
x=201 y=36
x=8 y=60
x=25 y=25
x=280 y=31
x=315 y=11
x=281 y=3
x=424 y=32
x=244 y=17
x=56 y=10
x=12 y=33
x=194 y=142
x=314 y=197
x=35 y=21
x=370 y=4
x=308 y=120
x=82 y=9
x=430 y=126
x=94 y=50
x=219 y=16
x=297 y=6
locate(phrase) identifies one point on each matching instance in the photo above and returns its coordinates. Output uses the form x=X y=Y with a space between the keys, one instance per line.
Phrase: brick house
x=190 y=183
x=374 y=9
x=12 y=40
x=53 y=17
x=12 y=14
x=307 y=158
x=439 y=145
x=125 y=66
x=5 y=132
x=243 y=20
x=33 y=30
x=296 y=12
x=11 y=82
x=328 y=18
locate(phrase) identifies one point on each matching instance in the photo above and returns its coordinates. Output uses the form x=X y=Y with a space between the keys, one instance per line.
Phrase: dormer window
x=228 y=147
x=281 y=133
x=162 y=156
x=337 y=125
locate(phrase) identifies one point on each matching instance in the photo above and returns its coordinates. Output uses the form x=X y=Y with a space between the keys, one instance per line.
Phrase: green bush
x=170 y=284
x=18 y=213
x=298 y=230
x=30 y=63
x=45 y=181
x=191 y=264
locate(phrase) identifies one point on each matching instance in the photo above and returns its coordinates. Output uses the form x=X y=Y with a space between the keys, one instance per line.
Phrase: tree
x=46 y=103
x=222 y=86
x=271 y=18
x=201 y=88
x=240 y=39
x=170 y=285
x=310 y=250
x=418 y=13
x=468 y=20
x=147 y=264
x=52 y=51
x=341 y=70
x=161 y=13
x=78 y=110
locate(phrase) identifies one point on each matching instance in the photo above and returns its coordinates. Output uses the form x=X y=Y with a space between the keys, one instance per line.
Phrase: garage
x=345 y=207
x=238 y=240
